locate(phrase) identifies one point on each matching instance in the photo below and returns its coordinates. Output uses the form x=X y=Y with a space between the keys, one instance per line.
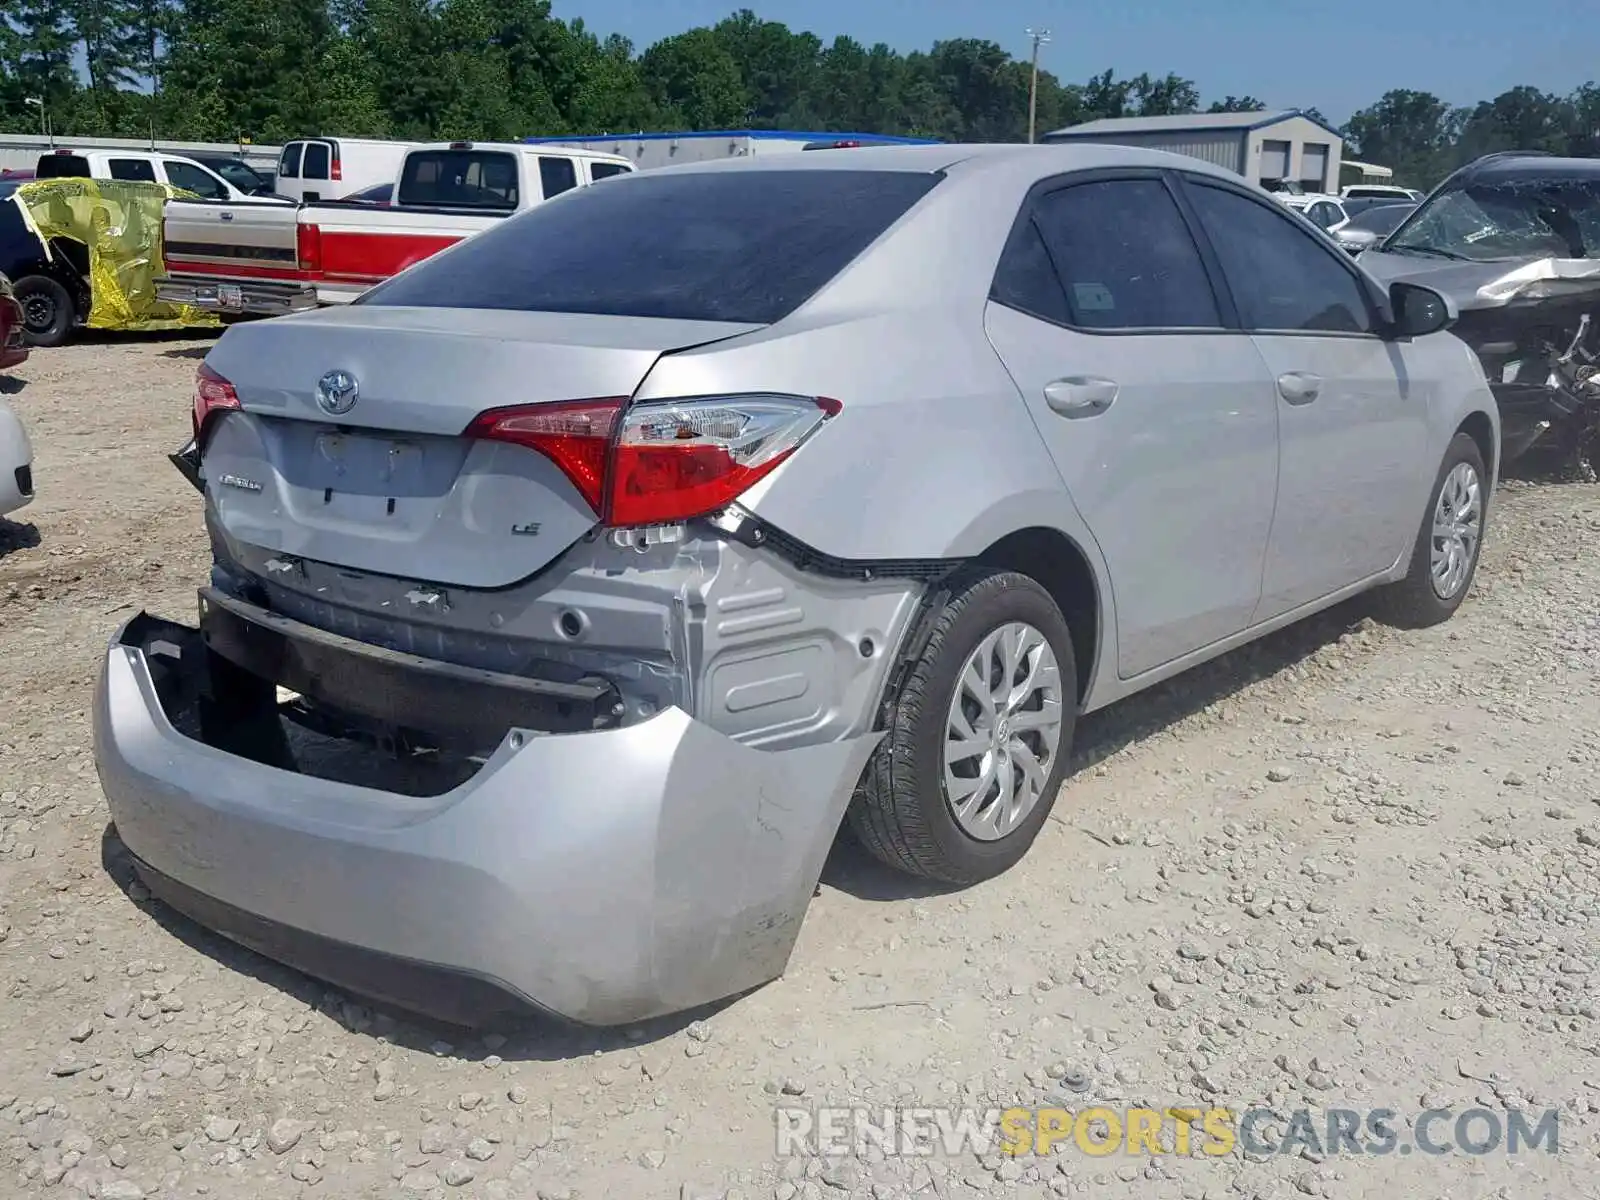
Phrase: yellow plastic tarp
x=120 y=223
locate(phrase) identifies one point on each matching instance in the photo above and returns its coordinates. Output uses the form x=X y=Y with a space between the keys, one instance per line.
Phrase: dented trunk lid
x=390 y=486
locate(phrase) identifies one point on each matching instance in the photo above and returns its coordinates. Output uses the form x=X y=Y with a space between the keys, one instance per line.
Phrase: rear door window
x=743 y=246
x=460 y=179
x=289 y=163
x=605 y=170
x=315 y=165
x=556 y=175
x=1125 y=254
x=137 y=170
x=195 y=179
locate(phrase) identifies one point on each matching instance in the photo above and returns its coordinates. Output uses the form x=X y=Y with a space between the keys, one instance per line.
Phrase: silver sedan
x=575 y=585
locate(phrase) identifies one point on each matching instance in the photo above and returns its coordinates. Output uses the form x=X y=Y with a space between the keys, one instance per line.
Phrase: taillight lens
x=576 y=437
x=660 y=462
x=212 y=393
x=308 y=247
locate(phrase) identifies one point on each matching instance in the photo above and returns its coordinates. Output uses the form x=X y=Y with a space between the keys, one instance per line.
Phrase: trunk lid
x=390 y=486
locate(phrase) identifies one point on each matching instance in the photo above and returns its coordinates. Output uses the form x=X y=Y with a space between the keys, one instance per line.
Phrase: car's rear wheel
x=47 y=312
x=1448 y=544
x=977 y=738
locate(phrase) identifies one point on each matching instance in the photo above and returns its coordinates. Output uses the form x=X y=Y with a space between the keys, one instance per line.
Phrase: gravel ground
x=1347 y=867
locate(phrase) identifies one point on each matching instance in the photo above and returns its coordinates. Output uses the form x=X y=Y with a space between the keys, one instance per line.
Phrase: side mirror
x=1419 y=311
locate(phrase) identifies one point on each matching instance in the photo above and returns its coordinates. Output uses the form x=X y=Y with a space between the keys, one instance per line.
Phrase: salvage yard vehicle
x=83 y=252
x=51 y=285
x=1367 y=228
x=16 y=462
x=571 y=587
x=16 y=454
x=264 y=261
x=147 y=166
x=1513 y=239
x=13 y=340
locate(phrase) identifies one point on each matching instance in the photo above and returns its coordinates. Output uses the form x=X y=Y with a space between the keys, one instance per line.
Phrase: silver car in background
x=574 y=585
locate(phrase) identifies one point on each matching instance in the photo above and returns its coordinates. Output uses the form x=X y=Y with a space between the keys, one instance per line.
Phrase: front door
x=1162 y=423
x=1352 y=419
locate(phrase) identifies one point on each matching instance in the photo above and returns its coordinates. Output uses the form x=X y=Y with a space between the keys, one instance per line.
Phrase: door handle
x=1299 y=387
x=1080 y=396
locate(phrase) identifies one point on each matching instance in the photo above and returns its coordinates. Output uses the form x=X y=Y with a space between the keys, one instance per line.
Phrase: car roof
x=1520 y=165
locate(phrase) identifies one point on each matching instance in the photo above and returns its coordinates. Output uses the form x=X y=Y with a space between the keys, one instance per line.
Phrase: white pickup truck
x=261 y=260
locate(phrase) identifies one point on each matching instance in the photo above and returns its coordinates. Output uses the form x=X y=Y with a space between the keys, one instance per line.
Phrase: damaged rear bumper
x=603 y=876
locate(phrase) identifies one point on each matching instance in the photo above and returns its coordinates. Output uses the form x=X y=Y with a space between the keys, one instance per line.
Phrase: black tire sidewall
x=1019 y=600
x=61 y=301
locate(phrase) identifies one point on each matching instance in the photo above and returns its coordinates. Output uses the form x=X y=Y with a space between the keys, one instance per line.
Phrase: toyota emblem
x=337 y=392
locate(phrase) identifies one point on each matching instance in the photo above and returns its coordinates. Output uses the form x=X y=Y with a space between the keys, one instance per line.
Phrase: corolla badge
x=337 y=392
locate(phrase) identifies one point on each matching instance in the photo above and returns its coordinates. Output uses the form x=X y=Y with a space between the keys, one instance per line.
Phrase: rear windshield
x=62 y=166
x=743 y=246
x=460 y=179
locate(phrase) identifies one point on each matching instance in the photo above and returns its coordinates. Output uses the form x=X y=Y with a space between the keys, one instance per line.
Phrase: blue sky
x=1336 y=56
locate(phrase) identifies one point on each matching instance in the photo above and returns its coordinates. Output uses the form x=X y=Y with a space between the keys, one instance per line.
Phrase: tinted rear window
x=315 y=165
x=62 y=166
x=744 y=246
x=460 y=179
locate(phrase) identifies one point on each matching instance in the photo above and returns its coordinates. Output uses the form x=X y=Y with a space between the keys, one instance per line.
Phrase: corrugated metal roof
x=1239 y=122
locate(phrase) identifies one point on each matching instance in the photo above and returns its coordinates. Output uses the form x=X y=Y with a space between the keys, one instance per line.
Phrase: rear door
x=316 y=168
x=1159 y=415
x=1352 y=408
x=289 y=170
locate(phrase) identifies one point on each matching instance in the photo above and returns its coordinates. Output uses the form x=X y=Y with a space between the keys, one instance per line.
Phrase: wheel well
x=1059 y=566
x=1479 y=429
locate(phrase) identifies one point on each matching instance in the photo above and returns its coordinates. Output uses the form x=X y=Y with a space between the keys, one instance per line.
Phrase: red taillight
x=212 y=393
x=334 y=170
x=661 y=462
x=308 y=247
x=576 y=437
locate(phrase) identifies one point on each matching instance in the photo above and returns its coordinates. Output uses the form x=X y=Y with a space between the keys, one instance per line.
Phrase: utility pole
x=1038 y=37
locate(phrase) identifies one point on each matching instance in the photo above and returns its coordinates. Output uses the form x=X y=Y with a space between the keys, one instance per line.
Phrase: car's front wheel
x=1448 y=544
x=978 y=736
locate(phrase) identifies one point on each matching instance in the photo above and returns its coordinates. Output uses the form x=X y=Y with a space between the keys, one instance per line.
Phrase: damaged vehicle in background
x=1365 y=229
x=1513 y=239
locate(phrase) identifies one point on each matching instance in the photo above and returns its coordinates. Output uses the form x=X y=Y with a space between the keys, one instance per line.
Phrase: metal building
x=1269 y=148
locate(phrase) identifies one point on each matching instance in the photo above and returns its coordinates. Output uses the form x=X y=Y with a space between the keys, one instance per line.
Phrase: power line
x=1039 y=37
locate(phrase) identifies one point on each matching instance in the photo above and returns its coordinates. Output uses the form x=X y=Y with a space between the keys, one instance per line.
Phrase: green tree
x=1408 y=131
x=1236 y=104
x=695 y=81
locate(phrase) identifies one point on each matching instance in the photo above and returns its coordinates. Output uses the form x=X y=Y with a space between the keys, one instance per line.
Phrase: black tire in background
x=901 y=811
x=48 y=315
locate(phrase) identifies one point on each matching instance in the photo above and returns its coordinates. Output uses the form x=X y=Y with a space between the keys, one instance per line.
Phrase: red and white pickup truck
x=265 y=260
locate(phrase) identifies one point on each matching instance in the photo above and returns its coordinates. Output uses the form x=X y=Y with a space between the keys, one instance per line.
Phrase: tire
x=47 y=310
x=902 y=811
x=1415 y=602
